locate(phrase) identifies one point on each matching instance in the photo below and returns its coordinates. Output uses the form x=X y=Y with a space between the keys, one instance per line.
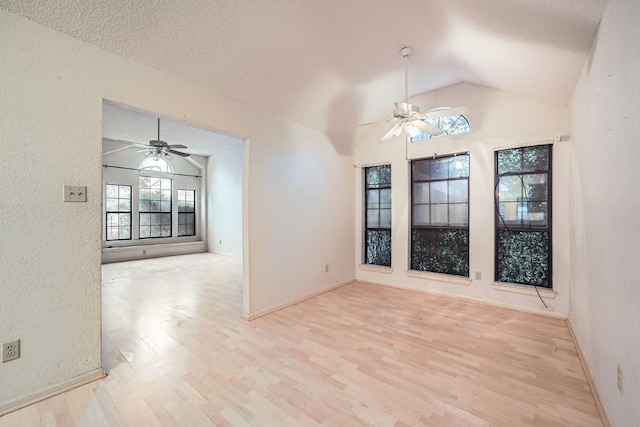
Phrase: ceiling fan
x=407 y=117
x=158 y=148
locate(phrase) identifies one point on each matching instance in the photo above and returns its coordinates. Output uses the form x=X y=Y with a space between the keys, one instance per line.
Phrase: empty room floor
x=178 y=354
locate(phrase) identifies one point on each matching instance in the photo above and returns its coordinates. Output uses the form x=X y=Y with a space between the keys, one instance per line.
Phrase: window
x=450 y=125
x=155 y=207
x=118 y=203
x=186 y=212
x=523 y=216
x=377 y=186
x=440 y=215
x=156 y=165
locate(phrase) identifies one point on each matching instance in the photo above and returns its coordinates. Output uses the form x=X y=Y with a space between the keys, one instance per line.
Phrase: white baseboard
x=268 y=310
x=133 y=253
x=39 y=396
x=587 y=373
x=536 y=311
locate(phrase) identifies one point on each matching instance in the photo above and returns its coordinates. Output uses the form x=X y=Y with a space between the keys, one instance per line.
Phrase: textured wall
x=605 y=296
x=52 y=89
x=498 y=119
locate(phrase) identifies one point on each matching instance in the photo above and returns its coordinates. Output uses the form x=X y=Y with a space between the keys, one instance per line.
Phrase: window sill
x=447 y=278
x=523 y=289
x=376 y=268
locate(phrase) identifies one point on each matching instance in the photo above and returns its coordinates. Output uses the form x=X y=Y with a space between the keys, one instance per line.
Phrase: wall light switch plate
x=75 y=193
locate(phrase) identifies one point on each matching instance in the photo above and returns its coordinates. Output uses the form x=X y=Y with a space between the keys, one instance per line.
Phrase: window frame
x=142 y=212
x=367 y=257
x=186 y=213
x=500 y=225
x=438 y=228
x=118 y=212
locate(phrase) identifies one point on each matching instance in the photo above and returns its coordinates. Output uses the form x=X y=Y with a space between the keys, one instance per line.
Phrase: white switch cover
x=75 y=193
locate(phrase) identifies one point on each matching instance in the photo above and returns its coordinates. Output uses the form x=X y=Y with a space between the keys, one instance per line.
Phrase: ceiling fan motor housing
x=405 y=109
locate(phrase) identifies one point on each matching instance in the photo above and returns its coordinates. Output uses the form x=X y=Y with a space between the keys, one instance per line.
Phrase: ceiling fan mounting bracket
x=406 y=51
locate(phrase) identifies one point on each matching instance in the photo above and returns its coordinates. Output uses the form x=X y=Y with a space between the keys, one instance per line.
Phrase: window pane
x=124 y=192
x=439 y=214
x=112 y=191
x=191 y=229
x=373 y=220
x=144 y=231
x=191 y=218
x=523 y=257
x=535 y=158
x=459 y=166
x=125 y=233
x=458 y=191
x=421 y=192
x=509 y=160
x=385 y=218
x=421 y=170
x=440 y=250
x=535 y=186
x=124 y=205
x=378 y=247
x=145 y=219
x=165 y=206
x=191 y=196
x=458 y=214
x=125 y=219
x=112 y=205
x=439 y=192
x=421 y=215
x=440 y=168
x=182 y=230
x=509 y=188
x=165 y=219
x=373 y=198
x=385 y=198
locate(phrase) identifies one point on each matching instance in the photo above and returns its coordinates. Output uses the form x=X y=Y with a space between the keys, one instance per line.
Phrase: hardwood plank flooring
x=178 y=354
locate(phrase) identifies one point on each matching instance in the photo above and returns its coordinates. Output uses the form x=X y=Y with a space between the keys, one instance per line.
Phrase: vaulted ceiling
x=331 y=64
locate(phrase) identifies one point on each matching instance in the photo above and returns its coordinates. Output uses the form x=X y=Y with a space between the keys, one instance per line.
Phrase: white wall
x=605 y=235
x=299 y=209
x=224 y=197
x=498 y=120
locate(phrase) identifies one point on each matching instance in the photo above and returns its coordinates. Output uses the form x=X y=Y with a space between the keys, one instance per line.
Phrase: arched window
x=450 y=125
x=156 y=165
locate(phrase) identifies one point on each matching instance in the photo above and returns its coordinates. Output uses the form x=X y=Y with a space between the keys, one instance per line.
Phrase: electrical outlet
x=10 y=351
x=75 y=193
x=619 y=375
x=478 y=275
x=326 y=268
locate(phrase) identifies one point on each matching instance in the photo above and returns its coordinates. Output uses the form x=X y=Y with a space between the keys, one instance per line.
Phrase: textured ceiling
x=331 y=64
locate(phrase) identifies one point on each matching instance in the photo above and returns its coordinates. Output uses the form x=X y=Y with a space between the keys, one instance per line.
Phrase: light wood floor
x=178 y=354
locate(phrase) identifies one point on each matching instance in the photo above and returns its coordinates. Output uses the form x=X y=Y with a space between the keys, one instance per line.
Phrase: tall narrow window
x=118 y=209
x=377 y=186
x=155 y=207
x=186 y=212
x=440 y=215
x=523 y=215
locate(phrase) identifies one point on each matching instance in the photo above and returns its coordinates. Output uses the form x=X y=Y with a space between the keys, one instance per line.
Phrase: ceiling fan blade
x=176 y=146
x=393 y=132
x=179 y=153
x=426 y=127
